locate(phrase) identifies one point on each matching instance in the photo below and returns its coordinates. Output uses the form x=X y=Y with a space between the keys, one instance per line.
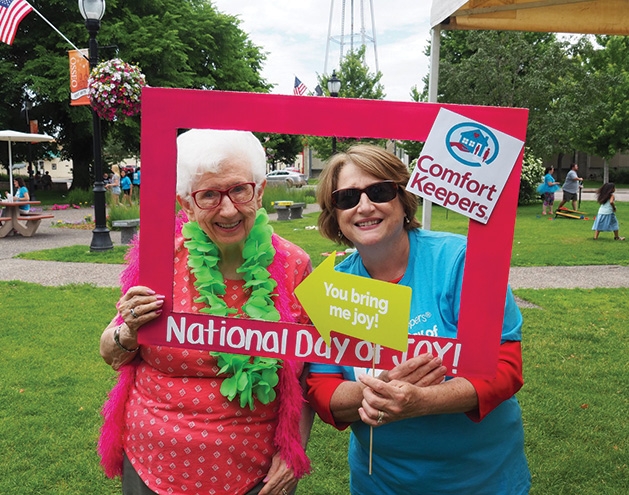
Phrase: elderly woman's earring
x=406 y=220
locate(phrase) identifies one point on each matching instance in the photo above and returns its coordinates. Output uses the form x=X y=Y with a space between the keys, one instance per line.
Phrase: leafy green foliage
x=280 y=192
x=280 y=148
x=518 y=69
x=605 y=132
x=356 y=82
x=185 y=44
x=121 y=211
x=80 y=197
x=532 y=176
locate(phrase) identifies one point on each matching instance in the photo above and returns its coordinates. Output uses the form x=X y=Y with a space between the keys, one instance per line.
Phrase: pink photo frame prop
x=165 y=111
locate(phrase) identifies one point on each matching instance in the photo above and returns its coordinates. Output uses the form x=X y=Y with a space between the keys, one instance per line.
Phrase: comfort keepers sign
x=464 y=165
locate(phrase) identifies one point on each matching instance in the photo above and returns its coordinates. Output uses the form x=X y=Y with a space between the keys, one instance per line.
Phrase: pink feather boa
x=287 y=435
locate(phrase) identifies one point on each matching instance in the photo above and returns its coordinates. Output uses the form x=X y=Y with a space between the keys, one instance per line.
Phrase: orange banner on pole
x=79 y=73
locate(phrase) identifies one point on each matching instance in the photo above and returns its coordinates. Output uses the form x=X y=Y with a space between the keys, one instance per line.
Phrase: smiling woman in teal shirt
x=431 y=435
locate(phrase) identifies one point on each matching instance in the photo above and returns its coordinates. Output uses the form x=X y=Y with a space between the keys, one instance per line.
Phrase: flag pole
x=52 y=26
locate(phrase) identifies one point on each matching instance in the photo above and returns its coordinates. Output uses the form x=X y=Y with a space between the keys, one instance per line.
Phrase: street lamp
x=334 y=86
x=92 y=11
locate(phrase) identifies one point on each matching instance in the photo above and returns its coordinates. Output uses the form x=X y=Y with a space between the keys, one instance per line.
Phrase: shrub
x=619 y=176
x=532 y=176
x=80 y=197
x=283 y=193
x=122 y=212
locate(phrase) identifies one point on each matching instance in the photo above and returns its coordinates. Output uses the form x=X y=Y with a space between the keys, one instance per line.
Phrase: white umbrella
x=16 y=137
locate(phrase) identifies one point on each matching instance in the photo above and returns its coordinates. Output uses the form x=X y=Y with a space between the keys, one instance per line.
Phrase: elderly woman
x=431 y=435
x=180 y=430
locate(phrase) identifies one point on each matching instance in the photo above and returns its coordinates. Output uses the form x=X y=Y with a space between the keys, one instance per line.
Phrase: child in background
x=125 y=184
x=548 y=188
x=606 y=220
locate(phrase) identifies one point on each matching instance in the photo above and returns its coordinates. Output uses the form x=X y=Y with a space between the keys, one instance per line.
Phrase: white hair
x=206 y=150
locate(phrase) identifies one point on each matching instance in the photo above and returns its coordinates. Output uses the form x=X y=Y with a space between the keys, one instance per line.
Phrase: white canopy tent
x=554 y=16
x=23 y=137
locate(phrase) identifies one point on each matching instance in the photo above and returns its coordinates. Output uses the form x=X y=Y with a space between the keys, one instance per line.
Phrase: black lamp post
x=92 y=11
x=334 y=86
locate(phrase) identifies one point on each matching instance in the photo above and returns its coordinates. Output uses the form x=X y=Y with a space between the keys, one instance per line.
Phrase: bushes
x=80 y=197
x=282 y=193
x=122 y=212
x=619 y=176
x=532 y=176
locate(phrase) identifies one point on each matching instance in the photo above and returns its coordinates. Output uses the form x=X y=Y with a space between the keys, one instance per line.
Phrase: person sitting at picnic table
x=20 y=194
x=454 y=436
x=170 y=414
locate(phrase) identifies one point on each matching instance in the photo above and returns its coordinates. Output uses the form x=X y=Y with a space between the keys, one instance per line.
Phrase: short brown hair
x=375 y=161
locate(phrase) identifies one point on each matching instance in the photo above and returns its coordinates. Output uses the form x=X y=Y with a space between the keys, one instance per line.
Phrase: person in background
x=126 y=186
x=114 y=184
x=571 y=187
x=171 y=414
x=606 y=220
x=431 y=436
x=548 y=188
x=137 y=176
x=20 y=193
x=47 y=181
x=37 y=181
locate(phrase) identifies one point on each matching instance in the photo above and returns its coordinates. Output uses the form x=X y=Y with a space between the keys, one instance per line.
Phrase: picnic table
x=12 y=217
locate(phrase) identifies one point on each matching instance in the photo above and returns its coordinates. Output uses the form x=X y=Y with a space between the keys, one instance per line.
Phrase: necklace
x=250 y=375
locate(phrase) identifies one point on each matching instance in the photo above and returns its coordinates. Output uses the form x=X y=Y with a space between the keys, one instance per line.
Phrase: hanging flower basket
x=115 y=88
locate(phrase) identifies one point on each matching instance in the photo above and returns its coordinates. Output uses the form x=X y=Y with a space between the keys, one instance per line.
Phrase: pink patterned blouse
x=182 y=435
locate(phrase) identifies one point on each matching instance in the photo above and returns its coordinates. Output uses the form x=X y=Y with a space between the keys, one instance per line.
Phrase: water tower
x=353 y=34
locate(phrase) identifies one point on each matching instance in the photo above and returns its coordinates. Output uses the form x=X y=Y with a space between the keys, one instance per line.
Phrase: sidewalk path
x=53 y=273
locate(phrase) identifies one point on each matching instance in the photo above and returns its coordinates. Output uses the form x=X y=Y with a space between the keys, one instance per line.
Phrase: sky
x=294 y=35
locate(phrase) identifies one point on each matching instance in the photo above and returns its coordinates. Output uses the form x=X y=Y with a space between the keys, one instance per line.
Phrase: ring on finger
x=284 y=492
x=133 y=313
x=380 y=417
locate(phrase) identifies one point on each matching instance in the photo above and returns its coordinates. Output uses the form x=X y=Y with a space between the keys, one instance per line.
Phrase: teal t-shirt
x=448 y=453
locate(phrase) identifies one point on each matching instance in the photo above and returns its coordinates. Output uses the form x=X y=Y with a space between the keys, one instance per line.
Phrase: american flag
x=299 y=89
x=11 y=14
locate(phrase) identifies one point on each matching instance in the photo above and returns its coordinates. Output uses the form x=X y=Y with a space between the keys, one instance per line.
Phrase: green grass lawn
x=538 y=240
x=575 y=398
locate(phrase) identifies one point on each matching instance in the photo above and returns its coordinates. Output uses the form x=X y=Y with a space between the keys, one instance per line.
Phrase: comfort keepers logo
x=464 y=165
x=472 y=144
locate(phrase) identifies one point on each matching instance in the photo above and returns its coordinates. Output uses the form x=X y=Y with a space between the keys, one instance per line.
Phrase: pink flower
x=115 y=88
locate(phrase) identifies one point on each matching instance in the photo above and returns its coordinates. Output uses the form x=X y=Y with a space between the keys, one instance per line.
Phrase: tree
x=605 y=132
x=413 y=148
x=280 y=148
x=184 y=43
x=356 y=82
x=516 y=69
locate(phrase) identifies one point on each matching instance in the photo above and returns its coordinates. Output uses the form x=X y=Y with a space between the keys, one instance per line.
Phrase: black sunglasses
x=380 y=192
